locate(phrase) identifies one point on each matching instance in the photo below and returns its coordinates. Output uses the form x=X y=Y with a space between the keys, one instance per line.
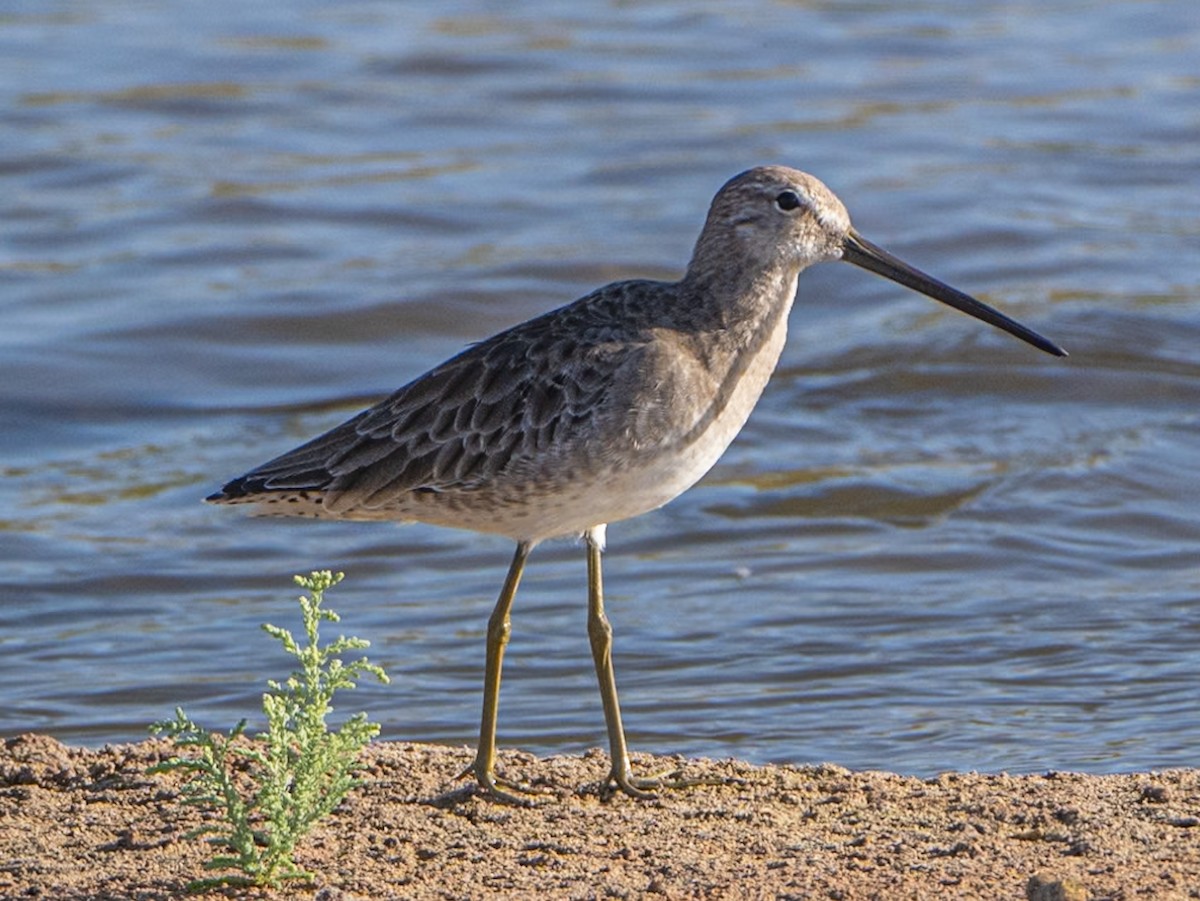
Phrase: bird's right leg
x=620 y=776
x=499 y=627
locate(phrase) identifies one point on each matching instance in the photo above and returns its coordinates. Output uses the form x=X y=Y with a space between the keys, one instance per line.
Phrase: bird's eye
x=788 y=201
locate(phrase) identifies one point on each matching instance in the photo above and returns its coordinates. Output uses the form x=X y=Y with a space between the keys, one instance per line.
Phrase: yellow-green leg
x=499 y=628
x=620 y=775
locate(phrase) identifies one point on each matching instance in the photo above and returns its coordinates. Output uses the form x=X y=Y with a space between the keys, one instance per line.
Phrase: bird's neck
x=738 y=297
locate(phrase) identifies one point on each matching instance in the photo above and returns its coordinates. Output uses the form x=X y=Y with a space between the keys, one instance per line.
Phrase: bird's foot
x=621 y=779
x=493 y=786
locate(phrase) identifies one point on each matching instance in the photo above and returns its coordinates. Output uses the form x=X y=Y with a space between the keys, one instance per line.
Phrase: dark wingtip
x=230 y=491
x=254 y=485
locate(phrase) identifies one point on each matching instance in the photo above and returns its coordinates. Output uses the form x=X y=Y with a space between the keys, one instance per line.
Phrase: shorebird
x=594 y=412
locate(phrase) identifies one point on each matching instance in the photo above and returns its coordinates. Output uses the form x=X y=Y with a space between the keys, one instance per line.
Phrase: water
x=224 y=227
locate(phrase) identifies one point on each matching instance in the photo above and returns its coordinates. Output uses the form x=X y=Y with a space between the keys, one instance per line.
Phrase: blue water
x=224 y=227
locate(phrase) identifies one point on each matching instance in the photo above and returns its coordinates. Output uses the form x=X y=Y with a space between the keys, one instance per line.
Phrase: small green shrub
x=297 y=771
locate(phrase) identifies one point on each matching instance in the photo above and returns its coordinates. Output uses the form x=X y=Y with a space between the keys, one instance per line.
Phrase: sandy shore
x=78 y=823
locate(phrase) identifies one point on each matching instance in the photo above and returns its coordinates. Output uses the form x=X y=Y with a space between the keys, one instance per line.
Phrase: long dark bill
x=861 y=252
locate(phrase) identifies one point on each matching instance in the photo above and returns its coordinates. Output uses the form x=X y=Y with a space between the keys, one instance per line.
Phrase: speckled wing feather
x=499 y=412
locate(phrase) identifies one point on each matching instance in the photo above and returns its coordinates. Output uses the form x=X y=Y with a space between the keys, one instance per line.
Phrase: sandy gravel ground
x=78 y=823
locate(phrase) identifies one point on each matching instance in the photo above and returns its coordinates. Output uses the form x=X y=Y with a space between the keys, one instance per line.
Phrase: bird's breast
x=690 y=400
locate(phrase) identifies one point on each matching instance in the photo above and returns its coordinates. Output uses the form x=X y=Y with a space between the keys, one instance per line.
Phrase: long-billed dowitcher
x=594 y=412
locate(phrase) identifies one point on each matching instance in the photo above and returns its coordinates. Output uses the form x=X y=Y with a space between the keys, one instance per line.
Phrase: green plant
x=297 y=771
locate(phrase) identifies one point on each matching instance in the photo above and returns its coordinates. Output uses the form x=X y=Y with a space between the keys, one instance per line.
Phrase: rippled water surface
x=225 y=227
